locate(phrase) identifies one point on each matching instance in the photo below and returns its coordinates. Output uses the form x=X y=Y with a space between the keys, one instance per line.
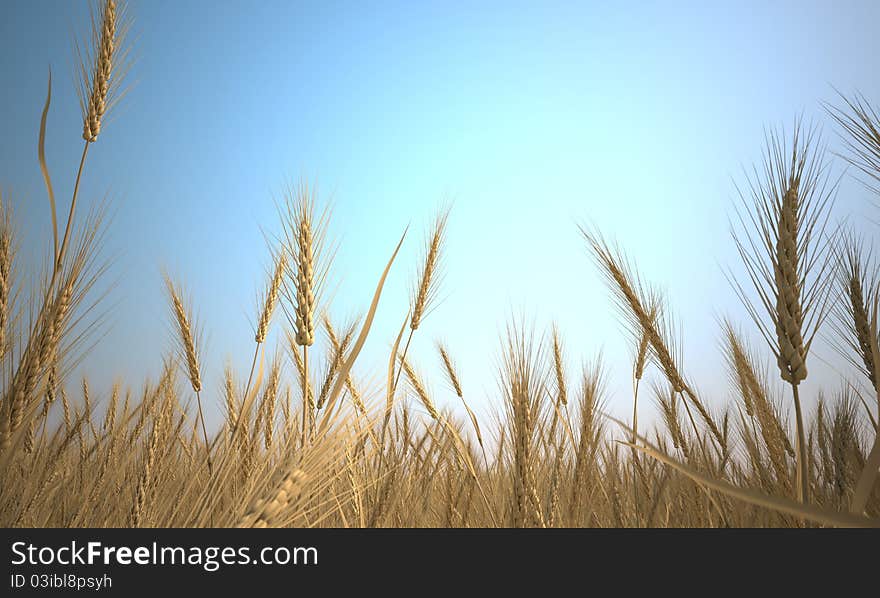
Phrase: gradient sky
x=533 y=117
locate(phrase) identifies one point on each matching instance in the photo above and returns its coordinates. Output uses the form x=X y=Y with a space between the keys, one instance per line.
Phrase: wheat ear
x=419 y=388
x=339 y=348
x=6 y=246
x=187 y=340
x=271 y=297
x=265 y=512
x=98 y=92
x=305 y=235
x=859 y=285
x=427 y=282
x=786 y=251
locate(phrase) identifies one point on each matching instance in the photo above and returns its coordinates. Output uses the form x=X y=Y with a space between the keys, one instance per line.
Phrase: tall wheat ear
x=103 y=64
x=783 y=238
x=305 y=240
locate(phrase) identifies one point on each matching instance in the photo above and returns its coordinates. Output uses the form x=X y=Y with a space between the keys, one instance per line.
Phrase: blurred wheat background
x=501 y=313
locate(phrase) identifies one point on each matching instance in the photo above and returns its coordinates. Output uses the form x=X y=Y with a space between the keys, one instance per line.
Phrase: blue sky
x=532 y=117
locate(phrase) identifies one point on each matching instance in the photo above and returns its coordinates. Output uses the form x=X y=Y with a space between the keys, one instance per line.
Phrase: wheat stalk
x=643 y=314
x=39 y=356
x=270 y=301
x=859 y=283
x=429 y=277
x=186 y=335
x=427 y=286
x=271 y=298
x=103 y=69
x=757 y=403
x=187 y=339
x=522 y=385
x=229 y=394
x=112 y=406
x=335 y=359
x=100 y=83
x=267 y=406
x=339 y=349
x=97 y=94
x=6 y=255
x=305 y=239
x=299 y=362
x=146 y=479
x=452 y=375
x=419 y=388
x=634 y=302
x=449 y=368
x=783 y=243
x=559 y=367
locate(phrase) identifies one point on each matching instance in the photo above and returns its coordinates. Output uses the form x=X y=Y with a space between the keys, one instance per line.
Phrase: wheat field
x=305 y=443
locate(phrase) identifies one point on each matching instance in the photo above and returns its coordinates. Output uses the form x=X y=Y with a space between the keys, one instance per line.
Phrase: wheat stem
x=802 y=460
